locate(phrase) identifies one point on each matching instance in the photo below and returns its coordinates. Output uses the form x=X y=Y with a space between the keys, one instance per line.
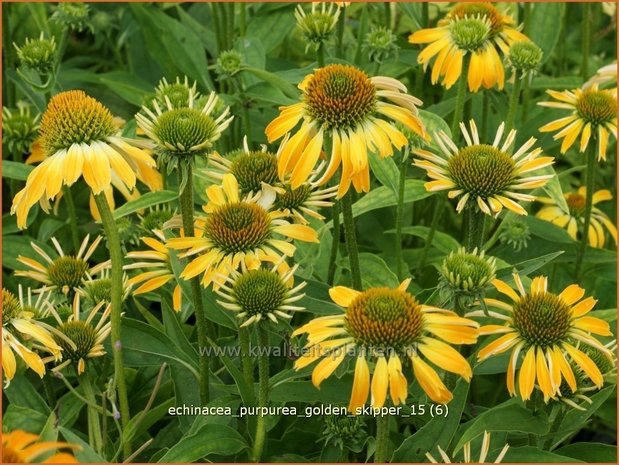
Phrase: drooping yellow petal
x=430 y=382
x=506 y=289
x=398 y=386
x=361 y=385
x=526 y=377
x=380 y=383
x=445 y=357
x=586 y=364
x=327 y=366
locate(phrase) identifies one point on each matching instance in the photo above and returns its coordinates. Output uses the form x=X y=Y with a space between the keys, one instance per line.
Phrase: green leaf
x=529 y=454
x=575 y=419
x=443 y=242
x=144 y=345
x=547 y=230
x=127 y=86
x=553 y=187
x=374 y=271
x=208 y=440
x=439 y=431
x=176 y=48
x=590 y=452
x=288 y=89
x=18 y=417
x=139 y=424
x=386 y=171
x=150 y=199
x=382 y=197
x=527 y=267
x=545 y=26
x=15 y=170
x=433 y=124
x=271 y=29
x=509 y=416
x=14 y=246
x=85 y=453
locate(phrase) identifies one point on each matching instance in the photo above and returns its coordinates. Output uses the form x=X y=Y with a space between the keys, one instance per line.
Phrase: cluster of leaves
x=119 y=53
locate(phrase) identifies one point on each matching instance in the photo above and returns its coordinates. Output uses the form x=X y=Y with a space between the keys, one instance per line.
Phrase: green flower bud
x=525 y=56
x=380 y=43
x=73 y=16
x=19 y=129
x=228 y=63
x=38 y=54
x=317 y=26
x=515 y=233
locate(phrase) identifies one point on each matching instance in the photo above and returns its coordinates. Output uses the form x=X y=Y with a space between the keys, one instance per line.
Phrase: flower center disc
x=254 y=168
x=185 y=129
x=73 y=118
x=83 y=335
x=340 y=96
x=576 y=204
x=481 y=170
x=238 y=227
x=293 y=198
x=99 y=290
x=384 y=318
x=259 y=292
x=479 y=10
x=596 y=106
x=542 y=319
x=67 y=272
x=10 y=306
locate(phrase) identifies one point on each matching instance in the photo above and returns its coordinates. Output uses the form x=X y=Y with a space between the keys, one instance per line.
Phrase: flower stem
x=586 y=39
x=476 y=221
x=399 y=213
x=387 y=15
x=556 y=424
x=335 y=244
x=320 y=55
x=436 y=214
x=246 y=361
x=590 y=185
x=513 y=102
x=116 y=277
x=263 y=390
x=460 y=98
x=75 y=237
x=382 y=439
x=351 y=241
x=186 y=205
x=94 y=426
x=339 y=44
x=526 y=96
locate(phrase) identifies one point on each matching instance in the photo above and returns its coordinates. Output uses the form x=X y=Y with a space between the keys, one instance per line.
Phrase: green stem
x=590 y=185
x=476 y=221
x=242 y=18
x=335 y=244
x=399 y=213
x=425 y=14
x=586 y=39
x=217 y=27
x=527 y=19
x=94 y=425
x=320 y=55
x=363 y=26
x=460 y=99
x=49 y=390
x=526 y=96
x=436 y=214
x=387 y=15
x=555 y=426
x=376 y=68
x=75 y=236
x=116 y=277
x=382 y=439
x=485 y=112
x=513 y=102
x=246 y=360
x=339 y=42
x=186 y=205
x=263 y=390
x=351 y=241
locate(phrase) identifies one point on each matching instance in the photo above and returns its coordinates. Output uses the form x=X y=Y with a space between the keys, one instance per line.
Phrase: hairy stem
x=351 y=241
x=399 y=214
x=186 y=205
x=246 y=361
x=116 y=277
x=335 y=244
x=513 y=102
x=94 y=425
x=382 y=439
x=590 y=183
x=263 y=390
x=460 y=99
x=476 y=222
x=75 y=235
x=586 y=39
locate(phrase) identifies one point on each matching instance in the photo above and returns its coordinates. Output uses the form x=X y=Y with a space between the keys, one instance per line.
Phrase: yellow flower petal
x=430 y=382
x=327 y=366
x=380 y=383
x=343 y=296
x=526 y=377
x=361 y=385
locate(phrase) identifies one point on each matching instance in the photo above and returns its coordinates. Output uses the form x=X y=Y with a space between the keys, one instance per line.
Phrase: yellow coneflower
x=253 y=168
x=19 y=446
x=606 y=75
x=18 y=327
x=81 y=339
x=64 y=273
x=387 y=325
x=183 y=132
x=549 y=330
x=466 y=452
x=261 y=294
x=238 y=229
x=491 y=176
x=477 y=29
x=574 y=218
x=158 y=257
x=343 y=103
x=594 y=112
x=79 y=138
